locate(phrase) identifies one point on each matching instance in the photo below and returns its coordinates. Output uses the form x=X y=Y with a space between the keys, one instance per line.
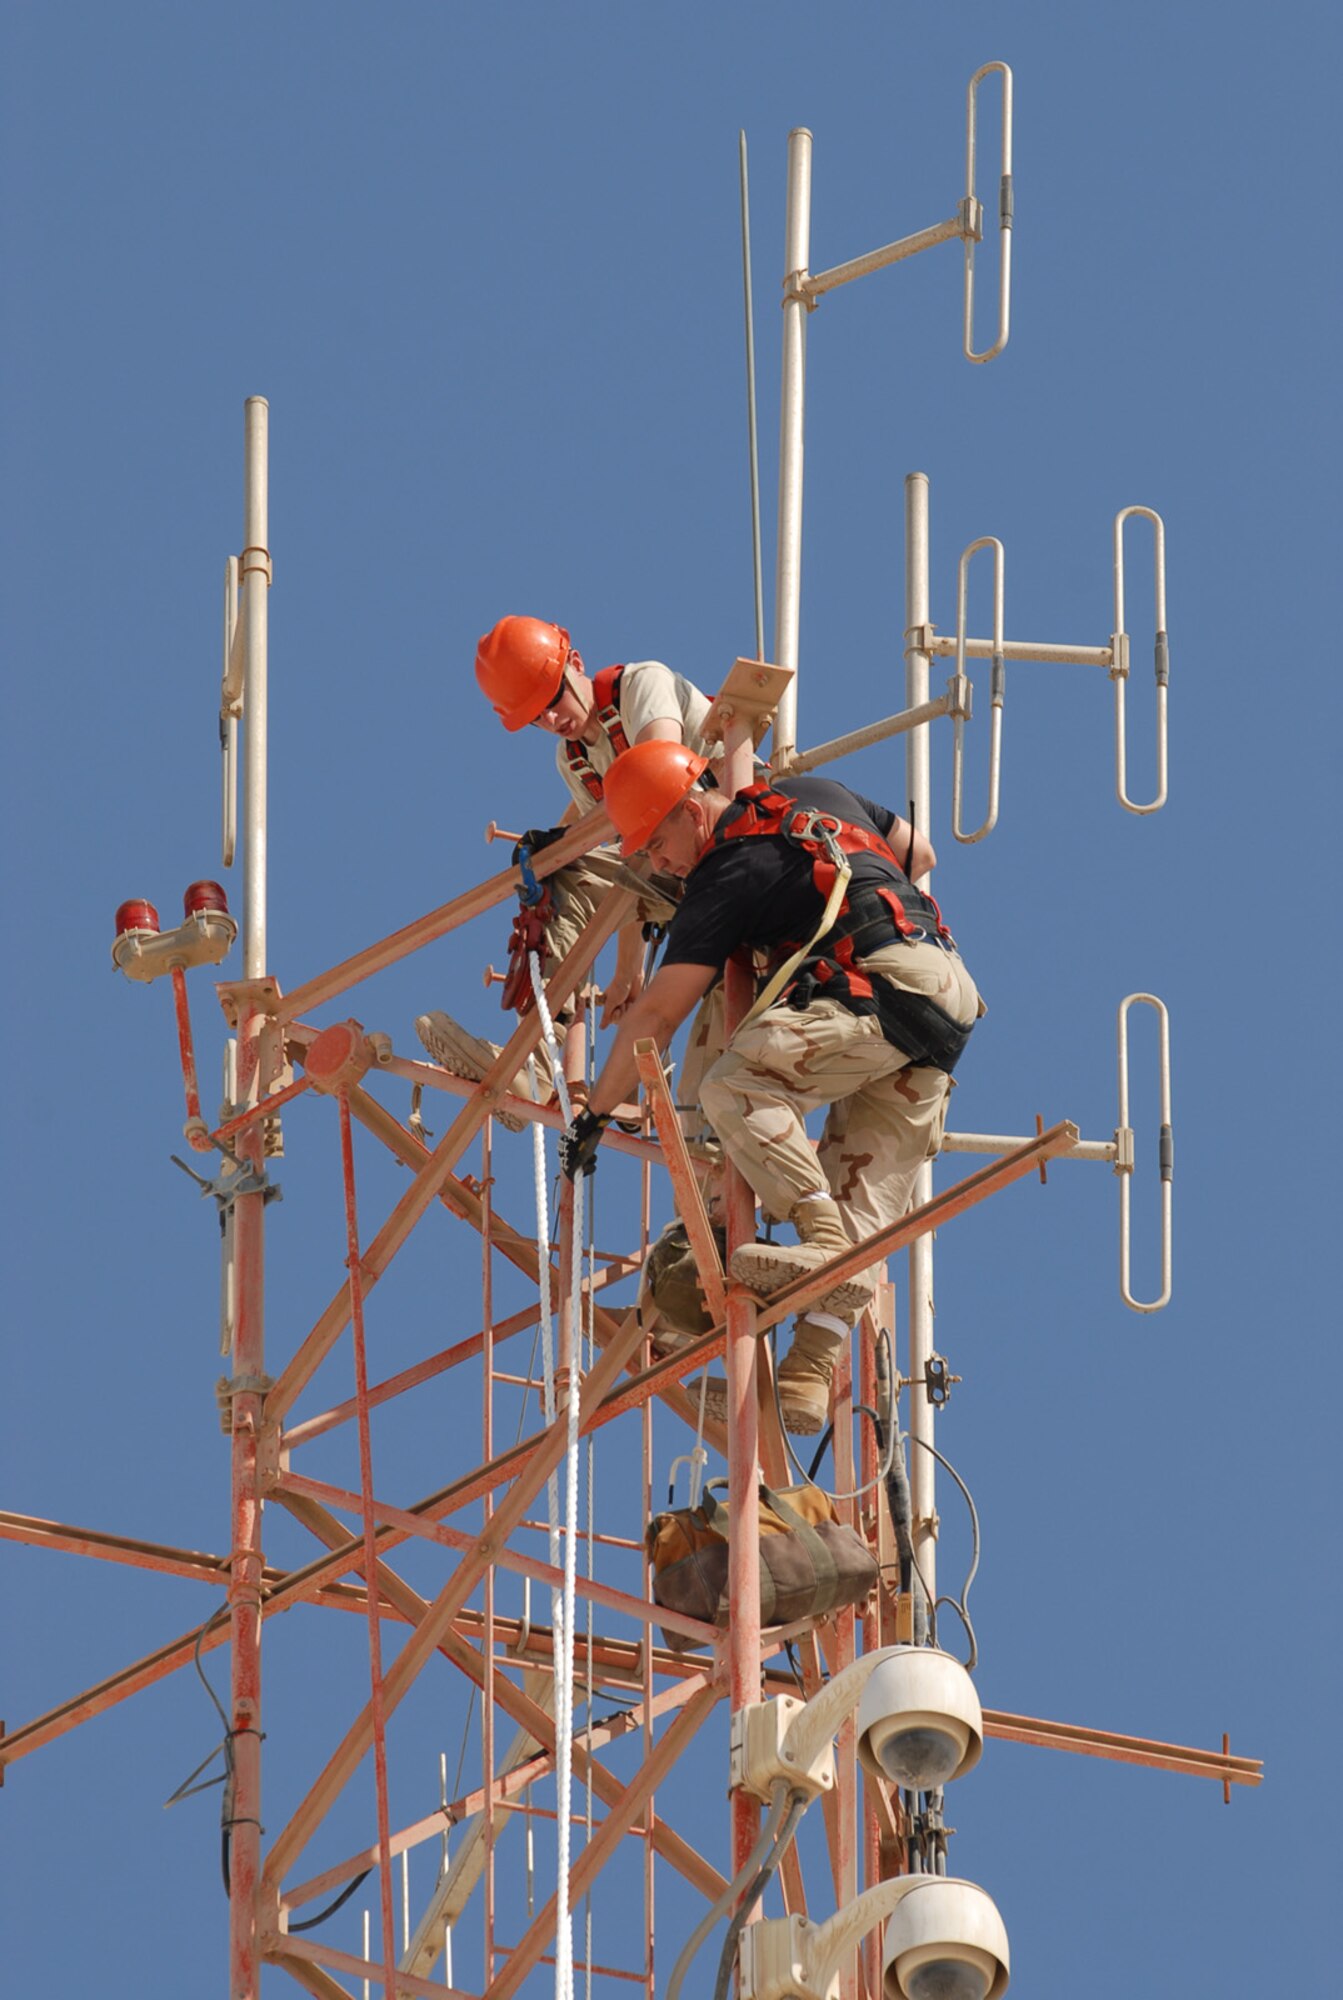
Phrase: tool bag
x=671 y=1285
x=810 y=1563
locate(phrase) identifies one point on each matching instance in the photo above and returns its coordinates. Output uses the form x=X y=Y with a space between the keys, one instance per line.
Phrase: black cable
x=311 y=1923
x=960 y=1605
x=226 y=1779
x=809 y=1472
x=728 y=1957
x=898 y=1503
x=213 y=1619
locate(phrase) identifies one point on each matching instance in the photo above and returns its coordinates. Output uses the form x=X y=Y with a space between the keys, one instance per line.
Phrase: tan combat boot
x=768 y=1267
x=461 y=1053
x=804 y=1377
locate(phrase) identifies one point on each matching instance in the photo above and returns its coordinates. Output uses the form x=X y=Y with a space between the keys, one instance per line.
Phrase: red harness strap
x=923 y=1031
x=768 y=811
x=606 y=708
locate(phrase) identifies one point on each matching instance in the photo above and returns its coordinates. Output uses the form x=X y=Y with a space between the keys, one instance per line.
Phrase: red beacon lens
x=204 y=898
x=136 y=915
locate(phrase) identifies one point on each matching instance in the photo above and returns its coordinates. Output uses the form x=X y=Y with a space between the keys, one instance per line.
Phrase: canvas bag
x=810 y=1563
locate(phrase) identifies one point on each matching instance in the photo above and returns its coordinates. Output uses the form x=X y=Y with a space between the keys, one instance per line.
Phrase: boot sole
x=462 y=1054
x=767 y=1276
x=802 y=1419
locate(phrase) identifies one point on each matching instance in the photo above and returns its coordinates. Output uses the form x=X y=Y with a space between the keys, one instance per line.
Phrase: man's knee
x=716 y=1096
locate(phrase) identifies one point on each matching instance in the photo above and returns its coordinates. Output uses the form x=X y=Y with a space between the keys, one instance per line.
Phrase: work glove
x=536 y=838
x=533 y=891
x=578 y=1146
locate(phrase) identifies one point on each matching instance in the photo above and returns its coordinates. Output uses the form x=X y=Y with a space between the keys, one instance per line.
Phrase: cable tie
x=235 y=1555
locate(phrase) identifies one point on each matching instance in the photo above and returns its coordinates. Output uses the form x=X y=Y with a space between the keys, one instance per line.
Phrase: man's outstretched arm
x=669 y=998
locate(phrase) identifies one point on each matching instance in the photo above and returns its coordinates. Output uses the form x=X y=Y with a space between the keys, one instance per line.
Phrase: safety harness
x=606 y=708
x=856 y=921
x=536 y=906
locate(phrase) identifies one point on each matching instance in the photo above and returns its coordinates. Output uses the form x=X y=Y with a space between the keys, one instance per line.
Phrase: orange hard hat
x=520 y=666
x=645 y=784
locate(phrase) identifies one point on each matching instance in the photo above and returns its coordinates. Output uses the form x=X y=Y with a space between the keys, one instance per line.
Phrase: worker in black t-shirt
x=866 y=1010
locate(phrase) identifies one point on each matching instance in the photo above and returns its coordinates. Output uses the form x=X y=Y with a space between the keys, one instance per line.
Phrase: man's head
x=529 y=672
x=652 y=794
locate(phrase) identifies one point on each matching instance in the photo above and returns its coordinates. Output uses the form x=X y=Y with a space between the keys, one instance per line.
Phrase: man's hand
x=537 y=839
x=621 y=991
x=578 y=1146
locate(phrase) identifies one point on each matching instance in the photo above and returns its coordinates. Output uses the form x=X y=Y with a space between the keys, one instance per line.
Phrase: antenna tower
x=543 y=1860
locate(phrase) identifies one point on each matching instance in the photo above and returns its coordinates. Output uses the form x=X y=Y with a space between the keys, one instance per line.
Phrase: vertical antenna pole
x=255 y=571
x=788 y=572
x=918 y=784
x=743 y=1427
x=752 y=437
x=249 y=1348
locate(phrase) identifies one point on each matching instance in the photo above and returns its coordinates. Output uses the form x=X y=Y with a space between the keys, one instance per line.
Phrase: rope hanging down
x=563 y=1602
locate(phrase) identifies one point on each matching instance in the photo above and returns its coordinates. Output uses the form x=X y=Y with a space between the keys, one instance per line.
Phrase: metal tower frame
x=480 y=1527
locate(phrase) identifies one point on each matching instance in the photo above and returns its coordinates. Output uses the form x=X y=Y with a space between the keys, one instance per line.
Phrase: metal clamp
x=797 y=290
x=1119 y=668
x=1124 y=1156
x=970 y=215
x=252 y=1180
x=938 y=1380
x=997 y=691
x=226 y=1388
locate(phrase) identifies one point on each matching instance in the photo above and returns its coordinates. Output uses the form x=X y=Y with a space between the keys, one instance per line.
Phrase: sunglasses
x=554 y=701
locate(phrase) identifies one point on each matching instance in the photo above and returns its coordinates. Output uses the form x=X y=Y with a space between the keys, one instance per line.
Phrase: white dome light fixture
x=919 y=1720
x=944 y=1941
x=919 y=1724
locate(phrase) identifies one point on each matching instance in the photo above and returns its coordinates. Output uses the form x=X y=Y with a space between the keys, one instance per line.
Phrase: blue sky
x=485 y=265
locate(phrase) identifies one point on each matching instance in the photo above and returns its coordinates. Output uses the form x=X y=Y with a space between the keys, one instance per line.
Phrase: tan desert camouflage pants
x=580 y=887
x=704 y=1047
x=886 y=1117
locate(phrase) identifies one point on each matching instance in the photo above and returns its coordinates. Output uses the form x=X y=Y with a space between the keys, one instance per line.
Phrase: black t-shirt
x=759 y=892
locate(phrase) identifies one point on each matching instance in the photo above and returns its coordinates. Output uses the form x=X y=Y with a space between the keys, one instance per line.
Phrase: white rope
x=564 y=1716
x=699 y=1457
x=562 y=1601
x=539 y=1179
x=590 y=1329
x=548 y=1031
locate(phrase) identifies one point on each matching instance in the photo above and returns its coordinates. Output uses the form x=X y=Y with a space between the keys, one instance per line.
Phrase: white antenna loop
x=1119 y=669
x=997 y=691
x=972 y=215
x=1124 y=1156
x=230 y=708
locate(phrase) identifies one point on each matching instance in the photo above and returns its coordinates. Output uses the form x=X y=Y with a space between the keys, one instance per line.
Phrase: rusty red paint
x=246 y=1561
x=379 y=1719
x=338 y=1058
x=186 y=1050
x=743 y=1650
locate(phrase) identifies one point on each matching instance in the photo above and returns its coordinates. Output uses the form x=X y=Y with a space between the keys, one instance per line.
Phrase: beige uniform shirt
x=649 y=692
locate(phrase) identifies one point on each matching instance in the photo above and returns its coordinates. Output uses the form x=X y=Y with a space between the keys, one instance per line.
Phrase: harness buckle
x=821 y=827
